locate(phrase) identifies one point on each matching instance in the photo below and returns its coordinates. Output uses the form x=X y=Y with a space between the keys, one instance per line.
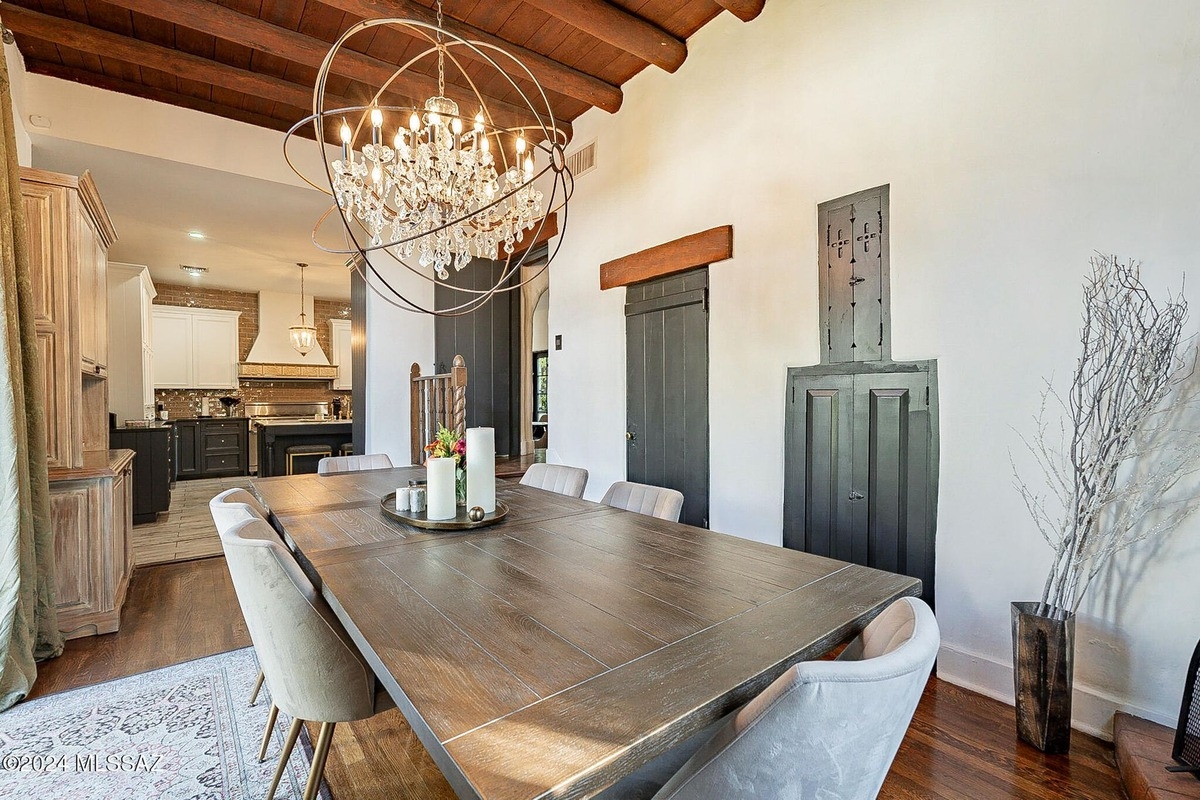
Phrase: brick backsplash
x=183 y=403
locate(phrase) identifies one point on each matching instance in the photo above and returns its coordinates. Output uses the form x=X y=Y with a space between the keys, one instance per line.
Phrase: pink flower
x=460 y=447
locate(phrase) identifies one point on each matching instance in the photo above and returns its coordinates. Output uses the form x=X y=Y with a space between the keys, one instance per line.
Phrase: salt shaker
x=403 y=498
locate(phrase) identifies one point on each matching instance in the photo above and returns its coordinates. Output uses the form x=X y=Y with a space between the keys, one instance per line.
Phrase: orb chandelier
x=303 y=336
x=425 y=188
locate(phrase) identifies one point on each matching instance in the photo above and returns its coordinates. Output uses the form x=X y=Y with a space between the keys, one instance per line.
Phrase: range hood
x=272 y=356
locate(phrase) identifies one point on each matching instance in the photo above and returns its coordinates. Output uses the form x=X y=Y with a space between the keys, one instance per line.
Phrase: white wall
x=1017 y=138
x=16 y=87
x=395 y=339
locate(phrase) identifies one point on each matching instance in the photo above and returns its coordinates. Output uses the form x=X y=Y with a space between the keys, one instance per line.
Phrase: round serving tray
x=458 y=523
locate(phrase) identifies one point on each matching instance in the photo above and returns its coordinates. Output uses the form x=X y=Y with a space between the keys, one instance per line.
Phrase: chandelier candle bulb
x=440 y=479
x=347 y=135
x=481 y=468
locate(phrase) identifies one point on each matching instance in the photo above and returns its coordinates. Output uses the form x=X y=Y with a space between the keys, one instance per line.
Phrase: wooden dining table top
x=551 y=654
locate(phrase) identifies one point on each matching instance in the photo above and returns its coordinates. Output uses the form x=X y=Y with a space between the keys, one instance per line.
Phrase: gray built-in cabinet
x=861 y=457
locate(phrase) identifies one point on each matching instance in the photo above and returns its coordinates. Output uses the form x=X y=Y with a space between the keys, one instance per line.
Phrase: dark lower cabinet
x=211 y=448
x=861 y=465
x=151 y=468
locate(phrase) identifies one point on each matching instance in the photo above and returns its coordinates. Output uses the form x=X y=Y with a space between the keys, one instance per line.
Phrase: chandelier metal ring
x=453 y=187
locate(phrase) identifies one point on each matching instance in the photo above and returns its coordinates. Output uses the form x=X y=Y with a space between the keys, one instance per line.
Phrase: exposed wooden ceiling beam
x=160 y=95
x=102 y=43
x=233 y=26
x=745 y=10
x=619 y=28
x=553 y=75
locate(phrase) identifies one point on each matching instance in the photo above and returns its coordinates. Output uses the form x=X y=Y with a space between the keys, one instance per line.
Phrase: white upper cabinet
x=339 y=337
x=195 y=348
x=130 y=341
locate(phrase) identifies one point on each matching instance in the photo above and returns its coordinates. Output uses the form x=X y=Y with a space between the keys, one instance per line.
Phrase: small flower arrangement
x=448 y=444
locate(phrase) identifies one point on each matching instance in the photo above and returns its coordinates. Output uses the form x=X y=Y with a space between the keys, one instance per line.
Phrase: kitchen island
x=275 y=437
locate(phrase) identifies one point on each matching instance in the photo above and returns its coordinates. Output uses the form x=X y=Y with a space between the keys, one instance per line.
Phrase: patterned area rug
x=183 y=732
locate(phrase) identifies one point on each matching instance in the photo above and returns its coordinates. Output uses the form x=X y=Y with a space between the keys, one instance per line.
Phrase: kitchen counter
x=276 y=436
x=96 y=464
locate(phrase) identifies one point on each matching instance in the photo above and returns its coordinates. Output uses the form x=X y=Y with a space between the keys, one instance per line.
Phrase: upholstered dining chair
x=822 y=729
x=313 y=669
x=229 y=508
x=653 y=501
x=558 y=478
x=335 y=464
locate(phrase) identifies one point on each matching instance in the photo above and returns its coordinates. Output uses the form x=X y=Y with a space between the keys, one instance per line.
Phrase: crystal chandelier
x=303 y=336
x=430 y=187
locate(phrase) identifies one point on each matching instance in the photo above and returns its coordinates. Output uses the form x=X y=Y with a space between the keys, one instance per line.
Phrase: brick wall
x=184 y=403
x=325 y=310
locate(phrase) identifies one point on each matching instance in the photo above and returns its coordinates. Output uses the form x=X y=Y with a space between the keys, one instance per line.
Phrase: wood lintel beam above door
x=689 y=252
x=548 y=231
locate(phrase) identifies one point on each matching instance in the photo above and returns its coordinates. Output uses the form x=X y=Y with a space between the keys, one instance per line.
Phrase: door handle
x=630 y=436
x=856 y=495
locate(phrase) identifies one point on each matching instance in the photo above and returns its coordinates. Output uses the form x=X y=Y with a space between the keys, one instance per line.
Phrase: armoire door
x=861 y=468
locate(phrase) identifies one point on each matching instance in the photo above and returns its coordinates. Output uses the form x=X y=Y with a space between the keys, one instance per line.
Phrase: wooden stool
x=346 y=449
x=306 y=451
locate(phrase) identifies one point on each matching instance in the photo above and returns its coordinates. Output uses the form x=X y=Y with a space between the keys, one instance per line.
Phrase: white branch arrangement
x=1120 y=449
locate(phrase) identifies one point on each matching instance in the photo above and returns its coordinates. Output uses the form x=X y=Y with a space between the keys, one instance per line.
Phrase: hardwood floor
x=961 y=745
x=185 y=531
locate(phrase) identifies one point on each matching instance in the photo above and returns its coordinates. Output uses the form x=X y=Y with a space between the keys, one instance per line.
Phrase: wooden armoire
x=861 y=454
x=90 y=486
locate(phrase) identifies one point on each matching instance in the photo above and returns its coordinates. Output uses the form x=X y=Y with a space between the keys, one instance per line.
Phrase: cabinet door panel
x=215 y=352
x=39 y=203
x=172 y=350
x=340 y=344
x=74 y=548
x=89 y=305
x=817 y=504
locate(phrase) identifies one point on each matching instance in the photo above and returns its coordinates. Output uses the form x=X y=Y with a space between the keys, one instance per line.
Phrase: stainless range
x=279 y=412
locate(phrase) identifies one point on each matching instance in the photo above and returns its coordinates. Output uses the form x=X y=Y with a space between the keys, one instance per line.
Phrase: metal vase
x=1043 y=663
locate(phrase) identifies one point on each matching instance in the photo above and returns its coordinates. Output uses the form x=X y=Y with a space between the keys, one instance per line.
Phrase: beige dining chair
x=558 y=478
x=335 y=464
x=822 y=729
x=653 y=501
x=229 y=508
x=314 y=671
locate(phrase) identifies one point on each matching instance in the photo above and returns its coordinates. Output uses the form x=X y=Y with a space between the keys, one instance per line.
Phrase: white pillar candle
x=402 y=499
x=481 y=469
x=440 y=479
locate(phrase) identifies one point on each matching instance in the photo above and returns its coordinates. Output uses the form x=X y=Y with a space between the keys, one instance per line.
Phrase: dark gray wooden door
x=666 y=333
x=488 y=339
x=861 y=467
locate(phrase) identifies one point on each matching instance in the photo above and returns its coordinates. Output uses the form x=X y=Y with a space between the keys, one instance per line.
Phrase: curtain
x=28 y=622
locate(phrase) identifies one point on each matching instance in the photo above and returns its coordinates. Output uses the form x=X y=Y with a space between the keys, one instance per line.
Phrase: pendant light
x=303 y=335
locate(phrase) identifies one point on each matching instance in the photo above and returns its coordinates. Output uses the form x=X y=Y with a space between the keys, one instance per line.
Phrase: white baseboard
x=1092 y=710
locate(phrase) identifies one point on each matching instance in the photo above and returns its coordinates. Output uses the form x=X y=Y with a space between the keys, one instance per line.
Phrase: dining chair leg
x=271 y=717
x=292 y=735
x=324 y=739
x=257 y=688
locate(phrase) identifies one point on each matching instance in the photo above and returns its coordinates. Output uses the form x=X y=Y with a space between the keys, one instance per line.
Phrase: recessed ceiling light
x=195 y=272
x=196 y=234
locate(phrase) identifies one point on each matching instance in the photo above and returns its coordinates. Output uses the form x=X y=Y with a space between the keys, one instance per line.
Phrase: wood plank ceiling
x=256 y=60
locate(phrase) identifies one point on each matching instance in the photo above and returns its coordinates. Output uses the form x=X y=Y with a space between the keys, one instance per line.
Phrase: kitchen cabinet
x=195 y=348
x=151 y=468
x=131 y=341
x=211 y=448
x=91 y=509
x=339 y=338
x=69 y=234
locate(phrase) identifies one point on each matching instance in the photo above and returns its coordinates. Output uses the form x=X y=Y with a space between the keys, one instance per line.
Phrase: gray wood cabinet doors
x=861 y=466
x=855 y=277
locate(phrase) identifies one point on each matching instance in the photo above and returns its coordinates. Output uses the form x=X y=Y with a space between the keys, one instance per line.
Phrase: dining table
x=556 y=651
